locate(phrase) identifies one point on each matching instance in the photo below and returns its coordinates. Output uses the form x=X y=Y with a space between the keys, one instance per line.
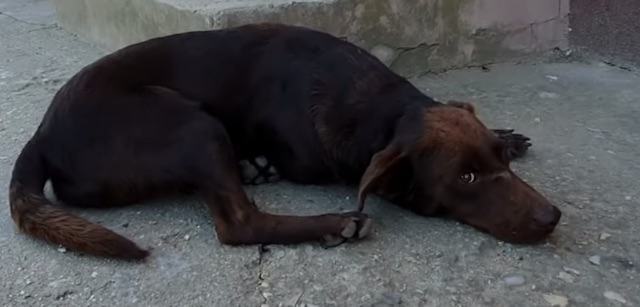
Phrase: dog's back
x=156 y=117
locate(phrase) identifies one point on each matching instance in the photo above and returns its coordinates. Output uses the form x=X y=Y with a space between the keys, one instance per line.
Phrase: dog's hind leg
x=238 y=221
x=259 y=170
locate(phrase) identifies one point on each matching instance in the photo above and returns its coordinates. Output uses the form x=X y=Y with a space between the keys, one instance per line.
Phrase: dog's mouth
x=533 y=234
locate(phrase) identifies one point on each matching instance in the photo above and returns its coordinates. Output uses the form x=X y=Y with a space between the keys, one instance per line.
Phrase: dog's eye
x=468 y=178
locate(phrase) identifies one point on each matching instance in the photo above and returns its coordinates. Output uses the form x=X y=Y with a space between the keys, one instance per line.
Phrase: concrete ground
x=582 y=117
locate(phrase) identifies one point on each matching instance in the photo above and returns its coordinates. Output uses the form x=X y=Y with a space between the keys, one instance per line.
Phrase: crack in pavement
x=24 y=21
x=262 y=250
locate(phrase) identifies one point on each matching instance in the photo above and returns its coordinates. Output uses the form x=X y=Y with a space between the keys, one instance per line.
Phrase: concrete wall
x=608 y=27
x=411 y=36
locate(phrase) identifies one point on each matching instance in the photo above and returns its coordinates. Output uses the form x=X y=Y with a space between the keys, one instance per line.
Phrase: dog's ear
x=380 y=163
x=462 y=105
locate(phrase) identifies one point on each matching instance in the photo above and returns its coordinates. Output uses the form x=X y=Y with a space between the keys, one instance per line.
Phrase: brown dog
x=175 y=114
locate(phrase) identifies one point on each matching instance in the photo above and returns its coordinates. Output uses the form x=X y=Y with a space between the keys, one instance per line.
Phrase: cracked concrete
x=582 y=117
x=449 y=28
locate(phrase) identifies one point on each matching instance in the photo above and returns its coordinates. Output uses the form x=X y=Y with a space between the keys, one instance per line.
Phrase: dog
x=175 y=114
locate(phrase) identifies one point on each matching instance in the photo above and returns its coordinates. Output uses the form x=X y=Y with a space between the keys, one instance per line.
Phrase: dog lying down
x=175 y=115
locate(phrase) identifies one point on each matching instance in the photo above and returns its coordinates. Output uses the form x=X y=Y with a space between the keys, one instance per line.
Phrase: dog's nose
x=547 y=217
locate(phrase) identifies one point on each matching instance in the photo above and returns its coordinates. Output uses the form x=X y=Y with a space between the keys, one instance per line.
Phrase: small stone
x=537 y=119
x=62 y=249
x=551 y=77
x=514 y=280
x=187 y=237
x=595 y=260
x=566 y=277
x=570 y=270
x=604 y=236
x=392 y=298
x=547 y=95
x=627 y=198
x=125 y=225
x=94 y=274
x=615 y=297
x=556 y=300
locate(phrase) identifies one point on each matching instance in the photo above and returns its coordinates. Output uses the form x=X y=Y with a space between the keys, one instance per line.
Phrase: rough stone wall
x=608 y=27
x=410 y=36
x=433 y=34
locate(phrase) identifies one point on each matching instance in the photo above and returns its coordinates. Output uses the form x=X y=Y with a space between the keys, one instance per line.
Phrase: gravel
x=584 y=159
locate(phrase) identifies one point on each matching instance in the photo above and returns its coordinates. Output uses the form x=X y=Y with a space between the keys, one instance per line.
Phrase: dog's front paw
x=516 y=144
x=355 y=226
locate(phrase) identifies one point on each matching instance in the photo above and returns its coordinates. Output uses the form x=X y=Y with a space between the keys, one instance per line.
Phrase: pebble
x=392 y=298
x=62 y=249
x=94 y=274
x=595 y=260
x=570 y=270
x=604 y=236
x=537 y=119
x=614 y=297
x=514 y=280
x=566 y=277
x=547 y=95
x=552 y=77
x=556 y=300
x=187 y=237
x=627 y=198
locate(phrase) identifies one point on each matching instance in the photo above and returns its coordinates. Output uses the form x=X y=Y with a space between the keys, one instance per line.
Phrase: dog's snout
x=547 y=217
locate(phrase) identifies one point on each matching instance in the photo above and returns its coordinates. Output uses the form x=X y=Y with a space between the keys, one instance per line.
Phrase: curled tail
x=36 y=216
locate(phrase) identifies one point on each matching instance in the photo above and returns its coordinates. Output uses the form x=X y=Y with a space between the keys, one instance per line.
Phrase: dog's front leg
x=238 y=221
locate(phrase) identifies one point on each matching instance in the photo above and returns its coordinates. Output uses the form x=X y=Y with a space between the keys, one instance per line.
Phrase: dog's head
x=443 y=160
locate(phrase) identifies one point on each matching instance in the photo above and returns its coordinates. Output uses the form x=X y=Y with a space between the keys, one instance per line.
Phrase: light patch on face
x=449 y=126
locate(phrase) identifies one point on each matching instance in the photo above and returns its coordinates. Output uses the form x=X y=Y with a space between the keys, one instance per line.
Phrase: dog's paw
x=258 y=171
x=355 y=226
x=517 y=144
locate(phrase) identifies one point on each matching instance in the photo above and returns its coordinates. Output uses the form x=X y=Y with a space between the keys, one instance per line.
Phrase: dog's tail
x=36 y=216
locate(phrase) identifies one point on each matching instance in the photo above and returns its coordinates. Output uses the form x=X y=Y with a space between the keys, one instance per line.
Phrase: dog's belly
x=294 y=151
x=299 y=164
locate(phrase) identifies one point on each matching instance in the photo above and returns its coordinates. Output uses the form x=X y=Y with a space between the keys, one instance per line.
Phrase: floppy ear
x=381 y=162
x=462 y=105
